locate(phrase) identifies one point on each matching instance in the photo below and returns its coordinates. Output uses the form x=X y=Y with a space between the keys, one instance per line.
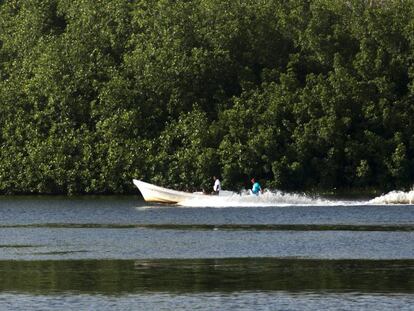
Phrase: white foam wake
x=395 y=197
x=269 y=198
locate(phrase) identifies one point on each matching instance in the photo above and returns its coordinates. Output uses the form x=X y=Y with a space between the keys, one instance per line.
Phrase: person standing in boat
x=256 y=189
x=217 y=186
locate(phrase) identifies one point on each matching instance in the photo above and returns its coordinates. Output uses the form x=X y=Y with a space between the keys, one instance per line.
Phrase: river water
x=120 y=253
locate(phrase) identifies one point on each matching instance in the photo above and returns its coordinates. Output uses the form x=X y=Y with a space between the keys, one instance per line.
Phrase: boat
x=153 y=193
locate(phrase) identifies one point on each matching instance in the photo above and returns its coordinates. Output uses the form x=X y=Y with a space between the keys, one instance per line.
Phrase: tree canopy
x=314 y=94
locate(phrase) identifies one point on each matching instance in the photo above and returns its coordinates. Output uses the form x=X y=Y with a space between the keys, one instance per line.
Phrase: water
x=119 y=253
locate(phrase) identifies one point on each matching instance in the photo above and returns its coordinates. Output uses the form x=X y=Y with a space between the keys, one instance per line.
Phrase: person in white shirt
x=217 y=186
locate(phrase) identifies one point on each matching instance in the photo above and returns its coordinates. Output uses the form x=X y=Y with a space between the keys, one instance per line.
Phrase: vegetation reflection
x=129 y=276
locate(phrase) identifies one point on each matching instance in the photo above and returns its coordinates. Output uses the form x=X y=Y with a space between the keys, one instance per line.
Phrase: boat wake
x=268 y=198
x=395 y=197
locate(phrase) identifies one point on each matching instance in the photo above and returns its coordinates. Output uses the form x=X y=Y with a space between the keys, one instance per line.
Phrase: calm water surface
x=119 y=253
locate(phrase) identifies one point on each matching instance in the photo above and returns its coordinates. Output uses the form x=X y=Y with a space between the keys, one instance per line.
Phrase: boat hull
x=152 y=193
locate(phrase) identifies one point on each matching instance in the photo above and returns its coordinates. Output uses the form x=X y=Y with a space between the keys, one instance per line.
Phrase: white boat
x=153 y=193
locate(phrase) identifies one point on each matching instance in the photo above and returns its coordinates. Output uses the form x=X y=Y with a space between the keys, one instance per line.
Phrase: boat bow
x=153 y=193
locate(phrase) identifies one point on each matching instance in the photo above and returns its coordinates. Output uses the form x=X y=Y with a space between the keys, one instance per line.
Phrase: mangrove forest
x=300 y=94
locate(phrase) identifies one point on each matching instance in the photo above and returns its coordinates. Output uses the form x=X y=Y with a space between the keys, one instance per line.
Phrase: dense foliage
x=314 y=94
